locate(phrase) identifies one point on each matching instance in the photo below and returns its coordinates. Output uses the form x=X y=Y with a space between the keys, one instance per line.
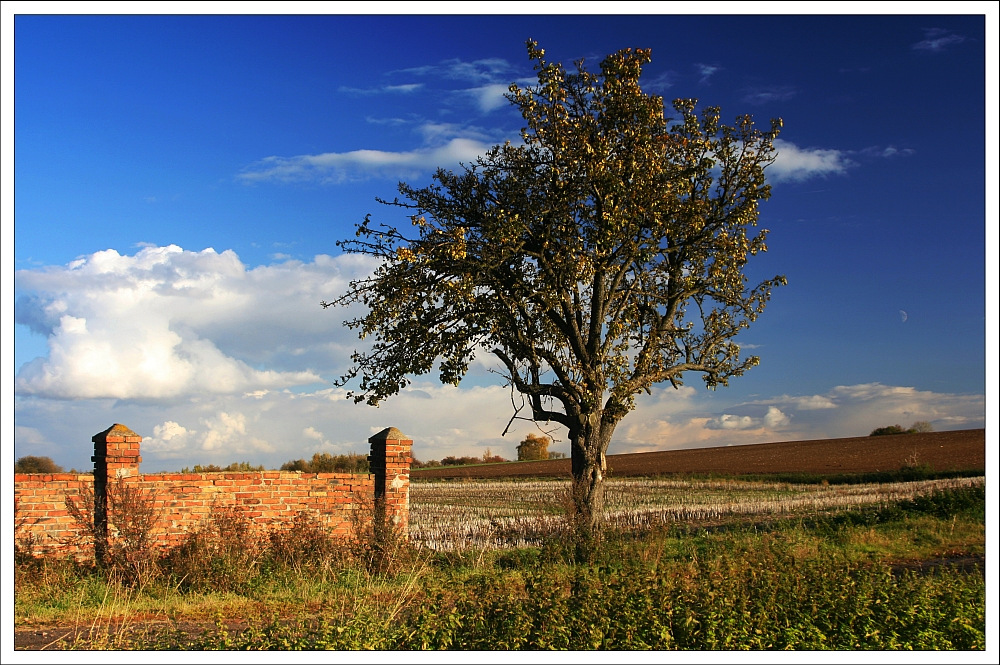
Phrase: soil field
x=958 y=450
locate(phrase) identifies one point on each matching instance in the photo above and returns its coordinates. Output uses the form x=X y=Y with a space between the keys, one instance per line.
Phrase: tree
x=888 y=429
x=533 y=448
x=601 y=256
x=34 y=464
x=917 y=427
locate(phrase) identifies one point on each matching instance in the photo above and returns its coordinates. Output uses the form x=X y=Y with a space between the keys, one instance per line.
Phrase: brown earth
x=958 y=450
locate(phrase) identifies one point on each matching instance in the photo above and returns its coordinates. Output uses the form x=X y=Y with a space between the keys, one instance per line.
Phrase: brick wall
x=271 y=499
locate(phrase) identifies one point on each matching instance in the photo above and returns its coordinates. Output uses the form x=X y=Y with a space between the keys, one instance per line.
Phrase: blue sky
x=179 y=183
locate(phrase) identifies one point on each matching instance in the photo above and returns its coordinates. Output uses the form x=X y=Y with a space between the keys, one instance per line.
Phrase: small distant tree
x=33 y=464
x=533 y=447
x=919 y=426
x=490 y=458
x=889 y=429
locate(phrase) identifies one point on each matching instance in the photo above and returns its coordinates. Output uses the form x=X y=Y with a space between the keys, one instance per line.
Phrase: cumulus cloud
x=793 y=163
x=167 y=323
x=670 y=419
x=730 y=421
x=771 y=420
x=213 y=362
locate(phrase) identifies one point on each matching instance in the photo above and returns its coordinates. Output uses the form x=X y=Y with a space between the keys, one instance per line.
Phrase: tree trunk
x=588 y=445
x=588 y=486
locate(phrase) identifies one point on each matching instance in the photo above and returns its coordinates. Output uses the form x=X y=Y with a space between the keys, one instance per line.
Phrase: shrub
x=306 y=541
x=891 y=429
x=220 y=554
x=33 y=464
x=123 y=542
x=915 y=428
x=378 y=543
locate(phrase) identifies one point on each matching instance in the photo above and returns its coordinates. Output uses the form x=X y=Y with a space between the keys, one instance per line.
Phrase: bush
x=123 y=544
x=306 y=541
x=915 y=428
x=378 y=543
x=33 y=464
x=891 y=429
x=221 y=554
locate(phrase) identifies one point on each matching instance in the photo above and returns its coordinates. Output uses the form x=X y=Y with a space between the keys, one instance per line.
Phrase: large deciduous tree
x=603 y=254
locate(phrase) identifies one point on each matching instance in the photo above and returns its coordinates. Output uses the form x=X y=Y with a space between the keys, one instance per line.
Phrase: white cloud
x=168 y=323
x=774 y=418
x=401 y=88
x=794 y=164
x=887 y=152
x=730 y=421
x=706 y=72
x=355 y=165
x=214 y=363
x=937 y=39
x=769 y=94
x=490 y=97
x=476 y=71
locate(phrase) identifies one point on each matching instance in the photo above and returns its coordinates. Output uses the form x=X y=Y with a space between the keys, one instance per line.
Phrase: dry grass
x=502 y=514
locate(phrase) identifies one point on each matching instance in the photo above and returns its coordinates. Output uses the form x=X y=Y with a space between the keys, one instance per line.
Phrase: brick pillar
x=389 y=461
x=116 y=455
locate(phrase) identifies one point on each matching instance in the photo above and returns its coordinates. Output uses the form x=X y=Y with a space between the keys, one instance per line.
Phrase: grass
x=804 y=578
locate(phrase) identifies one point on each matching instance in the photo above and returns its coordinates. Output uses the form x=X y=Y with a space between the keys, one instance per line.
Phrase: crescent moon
x=902 y=315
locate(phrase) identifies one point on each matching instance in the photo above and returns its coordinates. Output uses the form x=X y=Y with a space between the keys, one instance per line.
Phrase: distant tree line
x=536 y=448
x=244 y=467
x=327 y=463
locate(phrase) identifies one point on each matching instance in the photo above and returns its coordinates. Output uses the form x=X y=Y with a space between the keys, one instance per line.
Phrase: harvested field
x=958 y=450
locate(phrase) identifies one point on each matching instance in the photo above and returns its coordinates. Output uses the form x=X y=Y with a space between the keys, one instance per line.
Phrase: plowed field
x=958 y=450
